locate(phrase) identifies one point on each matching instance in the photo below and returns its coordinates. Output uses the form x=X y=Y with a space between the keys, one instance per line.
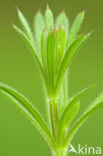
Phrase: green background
x=17 y=136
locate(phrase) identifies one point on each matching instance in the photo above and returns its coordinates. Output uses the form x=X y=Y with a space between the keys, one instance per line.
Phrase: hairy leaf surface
x=39 y=26
x=97 y=104
x=30 y=112
x=70 y=112
x=49 y=20
x=75 y=28
x=70 y=52
x=62 y=21
x=25 y=25
x=32 y=49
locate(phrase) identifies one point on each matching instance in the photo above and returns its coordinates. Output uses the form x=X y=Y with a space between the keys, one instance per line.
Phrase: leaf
x=50 y=60
x=70 y=112
x=64 y=93
x=44 y=37
x=59 y=46
x=39 y=26
x=30 y=112
x=61 y=21
x=70 y=52
x=32 y=49
x=49 y=20
x=97 y=104
x=75 y=28
x=22 y=34
x=25 y=25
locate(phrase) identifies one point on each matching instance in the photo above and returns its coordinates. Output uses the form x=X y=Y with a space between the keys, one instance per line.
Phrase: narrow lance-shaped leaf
x=75 y=28
x=44 y=37
x=61 y=21
x=61 y=101
x=97 y=104
x=61 y=53
x=73 y=113
x=70 y=112
x=25 y=25
x=50 y=59
x=31 y=113
x=49 y=20
x=59 y=46
x=39 y=25
x=20 y=32
x=70 y=52
x=62 y=41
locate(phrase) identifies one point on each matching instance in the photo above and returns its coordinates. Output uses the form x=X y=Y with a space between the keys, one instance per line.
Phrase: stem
x=51 y=118
x=66 y=87
x=53 y=115
x=60 y=153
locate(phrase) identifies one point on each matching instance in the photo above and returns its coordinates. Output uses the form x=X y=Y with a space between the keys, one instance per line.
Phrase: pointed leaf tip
x=17 y=8
x=92 y=31
x=63 y=11
x=39 y=11
x=12 y=24
x=49 y=19
x=47 y=6
x=84 y=11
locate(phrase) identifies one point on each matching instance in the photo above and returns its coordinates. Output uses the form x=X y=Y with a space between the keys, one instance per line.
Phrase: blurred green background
x=17 y=136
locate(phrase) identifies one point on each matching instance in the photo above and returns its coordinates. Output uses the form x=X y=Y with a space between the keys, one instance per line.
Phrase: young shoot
x=53 y=46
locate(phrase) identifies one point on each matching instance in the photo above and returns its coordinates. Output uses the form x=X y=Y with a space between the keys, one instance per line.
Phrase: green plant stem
x=53 y=115
x=60 y=153
x=51 y=118
x=66 y=88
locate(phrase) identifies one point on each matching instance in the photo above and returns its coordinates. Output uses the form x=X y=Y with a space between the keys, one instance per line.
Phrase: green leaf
x=59 y=46
x=50 y=60
x=75 y=28
x=61 y=21
x=30 y=112
x=44 y=37
x=32 y=49
x=97 y=104
x=63 y=127
x=25 y=25
x=61 y=101
x=64 y=93
x=70 y=112
x=39 y=26
x=70 y=52
x=49 y=20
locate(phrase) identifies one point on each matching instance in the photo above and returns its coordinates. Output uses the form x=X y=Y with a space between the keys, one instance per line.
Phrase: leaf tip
x=63 y=11
x=39 y=11
x=63 y=27
x=12 y=24
x=88 y=34
x=84 y=33
x=47 y=6
x=92 y=31
x=17 y=8
x=84 y=11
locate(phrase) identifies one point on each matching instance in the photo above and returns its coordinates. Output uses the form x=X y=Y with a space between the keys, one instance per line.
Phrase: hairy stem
x=53 y=115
